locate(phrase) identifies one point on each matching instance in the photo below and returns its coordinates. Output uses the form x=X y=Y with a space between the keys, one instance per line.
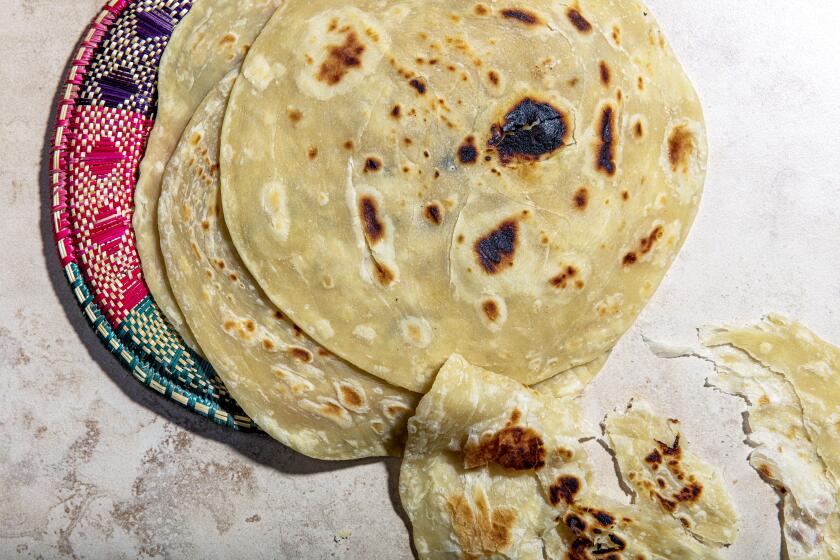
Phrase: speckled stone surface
x=92 y=465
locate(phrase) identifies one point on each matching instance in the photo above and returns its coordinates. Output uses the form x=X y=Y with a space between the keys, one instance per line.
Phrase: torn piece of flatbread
x=653 y=460
x=808 y=363
x=493 y=469
x=789 y=378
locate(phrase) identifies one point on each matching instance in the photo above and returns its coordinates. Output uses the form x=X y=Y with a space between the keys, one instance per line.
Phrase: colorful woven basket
x=104 y=117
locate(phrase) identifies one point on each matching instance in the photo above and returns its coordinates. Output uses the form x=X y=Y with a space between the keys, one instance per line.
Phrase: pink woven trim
x=64 y=115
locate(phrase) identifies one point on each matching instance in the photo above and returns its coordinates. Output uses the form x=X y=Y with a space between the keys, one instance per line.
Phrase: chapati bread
x=493 y=469
x=654 y=460
x=506 y=181
x=295 y=390
x=211 y=40
x=791 y=381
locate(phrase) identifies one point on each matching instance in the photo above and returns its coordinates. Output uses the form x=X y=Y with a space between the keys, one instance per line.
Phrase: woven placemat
x=104 y=116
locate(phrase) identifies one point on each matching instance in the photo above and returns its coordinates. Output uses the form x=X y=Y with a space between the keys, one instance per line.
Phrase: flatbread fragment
x=654 y=460
x=296 y=391
x=508 y=182
x=211 y=40
x=789 y=378
x=493 y=469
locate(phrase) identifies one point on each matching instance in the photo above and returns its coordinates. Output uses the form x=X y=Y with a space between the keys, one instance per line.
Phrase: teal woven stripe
x=169 y=380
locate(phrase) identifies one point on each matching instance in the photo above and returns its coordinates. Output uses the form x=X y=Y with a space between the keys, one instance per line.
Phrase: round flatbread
x=296 y=391
x=509 y=181
x=210 y=41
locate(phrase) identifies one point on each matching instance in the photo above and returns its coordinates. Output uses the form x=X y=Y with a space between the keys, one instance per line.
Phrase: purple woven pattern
x=123 y=73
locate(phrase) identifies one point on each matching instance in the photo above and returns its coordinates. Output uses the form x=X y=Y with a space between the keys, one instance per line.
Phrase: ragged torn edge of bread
x=782 y=371
x=656 y=464
x=470 y=492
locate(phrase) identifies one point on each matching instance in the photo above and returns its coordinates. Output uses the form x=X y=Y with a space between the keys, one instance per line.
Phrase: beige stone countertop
x=93 y=465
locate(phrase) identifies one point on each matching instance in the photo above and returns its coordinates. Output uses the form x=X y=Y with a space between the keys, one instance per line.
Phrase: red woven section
x=102 y=166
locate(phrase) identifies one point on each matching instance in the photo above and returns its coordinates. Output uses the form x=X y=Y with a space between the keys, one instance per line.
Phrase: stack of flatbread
x=346 y=206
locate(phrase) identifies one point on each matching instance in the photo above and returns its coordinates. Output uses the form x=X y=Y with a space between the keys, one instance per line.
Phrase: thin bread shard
x=789 y=378
x=210 y=41
x=654 y=460
x=296 y=391
x=510 y=185
x=493 y=469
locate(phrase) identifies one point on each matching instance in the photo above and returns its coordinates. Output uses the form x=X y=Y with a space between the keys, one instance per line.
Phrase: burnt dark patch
x=668 y=505
x=495 y=250
x=418 y=84
x=575 y=523
x=372 y=165
x=654 y=459
x=562 y=279
x=680 y=149
x=604 y=71
x=301 y=355
x=564 y=489
x=577 y=19
x=520 y=449
x=630 y=258
x=639 y=130
x=374 y=228
x=433 y=213
x=351 y=396
x=531 y=129
x=520 y=15
x=494 y=77
x=481 y=10
x=467 y=152
x=341 y=59
x=673 y=450
x=491 y=310
x=649 y=241
x=581 y=198
x=606 y=150
x=516 y=448
x=312 y=153
x=604 y=519
x=610 y=546
x=396 y=111
x=689 y=493
x=383 y=274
